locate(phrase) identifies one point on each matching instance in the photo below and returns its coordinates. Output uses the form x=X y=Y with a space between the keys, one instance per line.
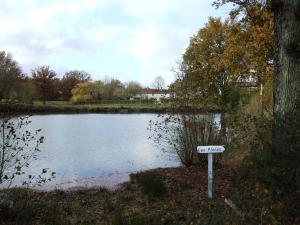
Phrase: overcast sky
x=127 y=39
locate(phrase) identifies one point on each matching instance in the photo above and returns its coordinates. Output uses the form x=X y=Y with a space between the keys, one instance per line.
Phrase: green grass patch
x=117 y=104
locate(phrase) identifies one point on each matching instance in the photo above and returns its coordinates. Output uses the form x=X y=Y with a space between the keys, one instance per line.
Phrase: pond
x=88 y=150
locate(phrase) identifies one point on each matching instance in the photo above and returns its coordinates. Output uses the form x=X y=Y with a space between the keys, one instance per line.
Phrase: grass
x=105 y=107
x=66 y=107
x=117 y=104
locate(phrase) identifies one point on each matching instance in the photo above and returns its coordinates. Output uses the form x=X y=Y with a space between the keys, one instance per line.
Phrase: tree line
x=76 y=85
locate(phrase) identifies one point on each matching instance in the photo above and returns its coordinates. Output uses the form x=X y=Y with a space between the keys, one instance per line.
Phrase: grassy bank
x=58 y=107
x=65 y=107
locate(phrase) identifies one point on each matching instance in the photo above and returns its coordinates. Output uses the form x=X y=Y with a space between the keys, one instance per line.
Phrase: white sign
x=210 y=149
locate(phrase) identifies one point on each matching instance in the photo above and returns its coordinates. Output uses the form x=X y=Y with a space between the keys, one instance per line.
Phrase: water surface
x=96 y=149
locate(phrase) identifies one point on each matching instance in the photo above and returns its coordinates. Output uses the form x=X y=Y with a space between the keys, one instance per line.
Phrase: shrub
x=180 y=134
x=276 y=164
x=246 y=127
x=272 y=170
x=108 y=205
x=119 y=219
x=18 y=147
x=150 y=184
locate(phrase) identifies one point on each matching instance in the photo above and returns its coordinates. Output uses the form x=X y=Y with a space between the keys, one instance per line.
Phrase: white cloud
x=10 y=3
x=99 y=35
x=54 y=43
x=142 y=9
x=149 y=35
x=10 y=25
x=156 y=46
x=94 y=4
x=145 y=9
x=145 y=44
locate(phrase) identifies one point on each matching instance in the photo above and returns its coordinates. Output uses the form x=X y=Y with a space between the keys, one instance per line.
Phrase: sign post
x=210 y=150
x=210 y=175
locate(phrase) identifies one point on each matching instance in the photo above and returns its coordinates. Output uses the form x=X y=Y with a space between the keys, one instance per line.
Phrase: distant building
x=249 y=83
x=152 y=94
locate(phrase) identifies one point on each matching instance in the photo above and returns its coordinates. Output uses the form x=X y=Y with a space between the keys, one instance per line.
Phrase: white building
x=152 y=94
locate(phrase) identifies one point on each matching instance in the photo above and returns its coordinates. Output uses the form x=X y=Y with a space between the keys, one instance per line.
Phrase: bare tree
x=19 y=146
x=158 y=83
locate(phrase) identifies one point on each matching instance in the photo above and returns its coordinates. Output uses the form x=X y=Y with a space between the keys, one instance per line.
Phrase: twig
x=234 y=207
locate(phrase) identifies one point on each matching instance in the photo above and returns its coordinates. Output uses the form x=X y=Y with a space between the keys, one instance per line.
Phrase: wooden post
x=210 y=175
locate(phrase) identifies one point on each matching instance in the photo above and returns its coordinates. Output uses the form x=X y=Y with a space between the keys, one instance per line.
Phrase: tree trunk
x=287 y=57
x=44 y=95
x=286 y=135
x=287 y=67
x=223 y=128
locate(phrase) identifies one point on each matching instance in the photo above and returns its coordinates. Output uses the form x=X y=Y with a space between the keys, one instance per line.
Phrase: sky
x=125 y=39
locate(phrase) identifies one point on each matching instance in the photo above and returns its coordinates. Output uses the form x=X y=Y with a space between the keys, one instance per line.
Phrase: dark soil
x=184 y=201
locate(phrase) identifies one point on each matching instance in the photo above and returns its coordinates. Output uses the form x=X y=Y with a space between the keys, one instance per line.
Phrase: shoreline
x=173 y=196
x=81 y=109
x=110 y=181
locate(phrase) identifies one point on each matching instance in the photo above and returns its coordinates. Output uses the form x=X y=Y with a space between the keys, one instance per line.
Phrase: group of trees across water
x=76 y=85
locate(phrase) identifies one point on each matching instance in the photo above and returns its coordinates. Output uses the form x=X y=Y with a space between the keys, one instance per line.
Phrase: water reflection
x=96 y=149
